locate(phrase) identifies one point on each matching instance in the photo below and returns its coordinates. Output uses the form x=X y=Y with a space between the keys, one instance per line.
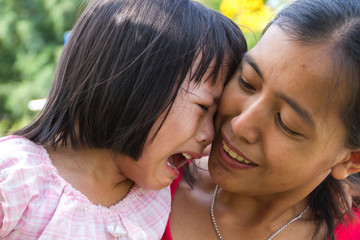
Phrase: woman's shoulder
x=203 y=182
x=191 y=204
x=198 y=194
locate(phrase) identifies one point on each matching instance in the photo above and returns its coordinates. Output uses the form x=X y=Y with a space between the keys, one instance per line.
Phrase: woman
x=287 y=138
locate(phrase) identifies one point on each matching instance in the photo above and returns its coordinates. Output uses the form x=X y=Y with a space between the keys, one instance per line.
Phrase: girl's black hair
x=123 y=66
x=337 y=23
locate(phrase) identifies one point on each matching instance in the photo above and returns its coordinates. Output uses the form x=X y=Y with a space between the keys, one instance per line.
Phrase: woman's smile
x=231 y=156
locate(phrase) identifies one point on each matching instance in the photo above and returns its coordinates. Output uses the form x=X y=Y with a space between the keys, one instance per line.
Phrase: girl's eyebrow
x=215 y=98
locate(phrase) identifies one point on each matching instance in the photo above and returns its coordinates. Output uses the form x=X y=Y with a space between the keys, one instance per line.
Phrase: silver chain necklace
x=271 y=237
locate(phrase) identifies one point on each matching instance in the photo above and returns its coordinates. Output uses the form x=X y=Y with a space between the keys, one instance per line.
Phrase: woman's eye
x=203 y=107
x=283 y=126
x=246 y=85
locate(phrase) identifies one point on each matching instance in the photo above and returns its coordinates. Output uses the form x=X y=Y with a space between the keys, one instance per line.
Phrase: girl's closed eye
x=203 y=107
x=284 y=127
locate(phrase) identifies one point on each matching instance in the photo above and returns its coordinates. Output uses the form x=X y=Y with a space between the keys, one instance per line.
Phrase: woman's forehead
x=304 y=72
x=278 y=53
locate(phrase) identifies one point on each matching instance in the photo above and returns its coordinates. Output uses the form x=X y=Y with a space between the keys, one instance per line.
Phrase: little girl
x=133 y=99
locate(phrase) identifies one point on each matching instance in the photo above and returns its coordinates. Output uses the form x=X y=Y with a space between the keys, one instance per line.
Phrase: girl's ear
x=347 y=167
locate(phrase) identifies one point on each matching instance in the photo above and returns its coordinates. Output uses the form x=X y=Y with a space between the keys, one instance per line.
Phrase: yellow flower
x=233 y=7
x=251 y=5
x=230 y=7
x=253 y=14
x=255 y=20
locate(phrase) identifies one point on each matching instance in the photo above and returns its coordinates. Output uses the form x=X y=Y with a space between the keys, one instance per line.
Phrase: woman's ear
x=347 y=167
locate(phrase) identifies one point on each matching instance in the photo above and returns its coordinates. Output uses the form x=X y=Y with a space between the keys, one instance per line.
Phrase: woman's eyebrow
x=252 y=63
x=299 y=110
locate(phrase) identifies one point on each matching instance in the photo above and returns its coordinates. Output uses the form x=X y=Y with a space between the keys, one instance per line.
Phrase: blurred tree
x=31 y=39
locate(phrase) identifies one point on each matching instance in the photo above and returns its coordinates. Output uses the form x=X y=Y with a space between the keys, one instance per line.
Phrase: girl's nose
x=205 y=134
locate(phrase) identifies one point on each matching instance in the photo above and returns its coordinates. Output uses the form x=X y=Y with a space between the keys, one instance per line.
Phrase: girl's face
x=277 y=130
x=186 y=131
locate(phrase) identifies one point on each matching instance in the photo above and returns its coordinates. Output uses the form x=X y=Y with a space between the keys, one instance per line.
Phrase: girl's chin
x=158 y=184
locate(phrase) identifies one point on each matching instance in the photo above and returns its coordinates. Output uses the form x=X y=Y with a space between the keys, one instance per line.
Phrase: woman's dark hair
x=123 y=66
x=337 y=23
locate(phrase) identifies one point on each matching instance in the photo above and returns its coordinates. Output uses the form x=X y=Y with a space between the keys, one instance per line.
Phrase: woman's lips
x=231 y=157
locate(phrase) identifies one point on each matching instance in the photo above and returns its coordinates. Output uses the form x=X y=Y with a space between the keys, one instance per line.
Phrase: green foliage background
x=31 y=40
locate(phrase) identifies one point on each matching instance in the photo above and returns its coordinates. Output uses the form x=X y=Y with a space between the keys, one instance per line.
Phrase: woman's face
x=277 y=130
x=186 y=131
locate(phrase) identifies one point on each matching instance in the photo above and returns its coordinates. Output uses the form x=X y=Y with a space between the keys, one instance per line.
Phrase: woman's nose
x=248 y=123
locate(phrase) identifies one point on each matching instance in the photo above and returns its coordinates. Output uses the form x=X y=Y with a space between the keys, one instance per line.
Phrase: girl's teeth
x=170 y=165
x=234 y=154
x=187 y=156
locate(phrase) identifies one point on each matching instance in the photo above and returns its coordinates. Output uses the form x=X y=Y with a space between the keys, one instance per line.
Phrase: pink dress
x=36 y=203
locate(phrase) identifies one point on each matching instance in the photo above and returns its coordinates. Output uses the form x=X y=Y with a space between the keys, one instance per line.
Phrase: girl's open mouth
x=178 y=160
